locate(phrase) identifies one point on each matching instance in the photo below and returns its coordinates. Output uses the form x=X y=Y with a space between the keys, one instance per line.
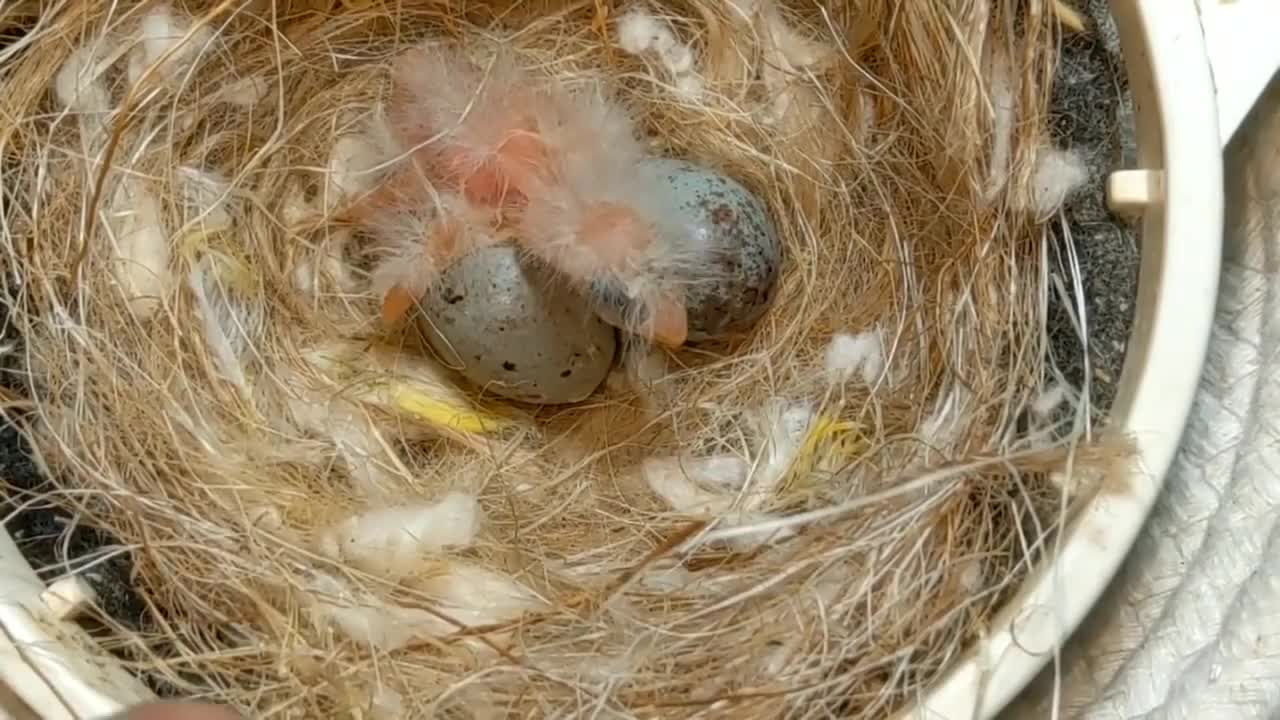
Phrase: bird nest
x=815 y=518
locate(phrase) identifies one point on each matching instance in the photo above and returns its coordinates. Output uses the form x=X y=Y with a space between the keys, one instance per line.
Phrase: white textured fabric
x=1191 y=626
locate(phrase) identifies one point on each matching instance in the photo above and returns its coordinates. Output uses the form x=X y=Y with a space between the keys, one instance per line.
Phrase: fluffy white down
x=1000 y=90
x=475 y=596
x=163 y=31
x=678 y=58
x=352 y=164
x=1059 y=174
x=1049 y=399
x=729 y=489
x=678 y=481
x=392 y=542
x=861 y=354
x=368 y=620
x=77 y=86
x=204 y=196
x=141 y=264
x=639 y=31
x=689 y=87
x=463 y=595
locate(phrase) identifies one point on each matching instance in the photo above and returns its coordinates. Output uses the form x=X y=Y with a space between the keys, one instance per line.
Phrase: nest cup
x=855 y=507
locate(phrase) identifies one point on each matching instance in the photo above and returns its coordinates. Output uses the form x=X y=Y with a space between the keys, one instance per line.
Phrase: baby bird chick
x=418 y=231
x=417 y=244
x=562 y=169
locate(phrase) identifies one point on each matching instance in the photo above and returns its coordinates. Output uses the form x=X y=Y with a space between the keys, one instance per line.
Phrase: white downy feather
x=690 y=87
x=306 y=278
x=368 y=620
x=678 y=59
x=374 y=468
x=1049 y=399
x=784 y=54
x=381 y=626
x=80 y=89
x=639 y=31
x=848 y=354
x=141 y=264
x=1000 y=89
x=471 y=596
x=787 y=43
x=161 y=31
x=78 y=85
x=1080 y=479
x=309 y=274
x=353 y=166
x=942 y=426
x=782 y=427
x=229 y=326
x=205 y=196
x=1058 y=175
x=476 y=596
x=677 y=481
x=295 y=210
x=726 y=487
x=392 y=542
x=673 y=480
x=346 y=378
x=721 y=472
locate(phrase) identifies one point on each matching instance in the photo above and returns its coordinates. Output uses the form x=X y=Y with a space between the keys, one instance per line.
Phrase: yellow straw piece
x=444 y=414
x=841 y=438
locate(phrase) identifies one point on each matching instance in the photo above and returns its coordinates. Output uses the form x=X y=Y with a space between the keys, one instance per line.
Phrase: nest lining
x=226 y=413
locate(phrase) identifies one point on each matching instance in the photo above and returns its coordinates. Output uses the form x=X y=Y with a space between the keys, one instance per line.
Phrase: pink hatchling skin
x=563 y=172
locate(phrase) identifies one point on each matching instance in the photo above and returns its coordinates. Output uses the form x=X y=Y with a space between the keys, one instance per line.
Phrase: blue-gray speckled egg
x=733 y=251
x=510 y=327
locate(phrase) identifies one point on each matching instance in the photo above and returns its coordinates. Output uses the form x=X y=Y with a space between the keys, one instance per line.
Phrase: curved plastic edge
x=54 y=666
x=1178 y=135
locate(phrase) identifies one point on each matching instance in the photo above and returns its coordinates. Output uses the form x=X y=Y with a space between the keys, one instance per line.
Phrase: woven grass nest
x=812 y=520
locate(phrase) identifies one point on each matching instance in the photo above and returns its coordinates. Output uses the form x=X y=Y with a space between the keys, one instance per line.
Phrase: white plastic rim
x=58 y=671
x=1179 y=188
x=1240 y=35
x=53 y=666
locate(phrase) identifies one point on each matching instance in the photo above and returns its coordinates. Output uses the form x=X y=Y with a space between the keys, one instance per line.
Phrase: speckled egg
x=728 y=250
x=509 y=328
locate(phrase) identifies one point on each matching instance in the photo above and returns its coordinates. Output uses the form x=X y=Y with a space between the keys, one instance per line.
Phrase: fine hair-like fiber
x=752 y=526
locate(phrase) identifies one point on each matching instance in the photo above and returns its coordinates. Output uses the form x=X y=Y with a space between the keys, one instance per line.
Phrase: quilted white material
x=1190 y=628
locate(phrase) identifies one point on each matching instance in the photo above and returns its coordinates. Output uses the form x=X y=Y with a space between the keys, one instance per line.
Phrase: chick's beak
x=668 y=322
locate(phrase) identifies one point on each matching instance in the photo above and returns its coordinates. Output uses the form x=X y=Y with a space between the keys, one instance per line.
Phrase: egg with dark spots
x=721 y=255
x=508 y=326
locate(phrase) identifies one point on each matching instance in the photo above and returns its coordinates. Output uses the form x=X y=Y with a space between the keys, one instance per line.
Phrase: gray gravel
x=1092 y=114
